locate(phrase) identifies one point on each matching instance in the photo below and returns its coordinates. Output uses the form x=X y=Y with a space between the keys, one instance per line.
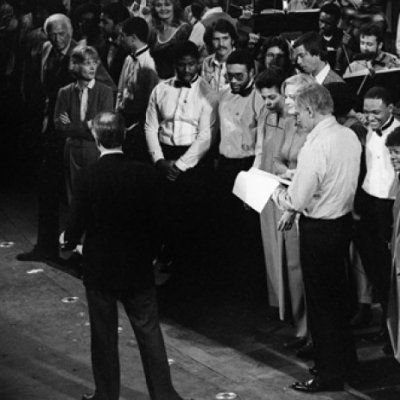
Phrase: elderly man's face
x=304 y=117
x=59 y=35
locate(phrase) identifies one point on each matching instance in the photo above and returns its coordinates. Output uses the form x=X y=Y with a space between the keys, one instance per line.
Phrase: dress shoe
x=363 y=317
x=36 y=255
x=295 y=344
x=306 y=352
x=317 y=385
x=89 y=396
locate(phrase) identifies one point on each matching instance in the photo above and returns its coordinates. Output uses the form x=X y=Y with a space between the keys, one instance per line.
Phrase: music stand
x=364 y=80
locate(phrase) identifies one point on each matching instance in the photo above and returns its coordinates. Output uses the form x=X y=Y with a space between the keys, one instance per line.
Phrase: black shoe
x=295 y=344
x=306 y=352
x=90 y=396
x=317 y=385
x=36 y=255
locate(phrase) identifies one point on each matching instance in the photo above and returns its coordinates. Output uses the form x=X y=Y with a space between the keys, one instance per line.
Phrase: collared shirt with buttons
x=380 y=180
x=326 y=176
x=84 y=97
x=239 y=117
x=181 y=116
x=214 y=72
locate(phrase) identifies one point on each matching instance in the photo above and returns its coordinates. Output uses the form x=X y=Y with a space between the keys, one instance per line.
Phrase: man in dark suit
x=312 y=58
x=55 y=74
x=117 y=204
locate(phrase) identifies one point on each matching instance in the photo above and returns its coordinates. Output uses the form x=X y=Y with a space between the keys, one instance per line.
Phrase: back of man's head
x=316 y=97
x=332 y=9
x=136 y=26
x=313 y=43
x=109 y=129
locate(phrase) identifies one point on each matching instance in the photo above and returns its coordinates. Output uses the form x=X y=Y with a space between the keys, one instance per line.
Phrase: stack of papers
x=255 y=187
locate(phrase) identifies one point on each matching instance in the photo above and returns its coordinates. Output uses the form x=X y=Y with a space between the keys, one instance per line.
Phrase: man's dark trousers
x=323 y=248
x=373 y=237
x=141 y=309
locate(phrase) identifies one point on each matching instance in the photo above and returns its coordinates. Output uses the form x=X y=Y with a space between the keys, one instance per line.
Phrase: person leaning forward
x=117 y=205
x=323 y=190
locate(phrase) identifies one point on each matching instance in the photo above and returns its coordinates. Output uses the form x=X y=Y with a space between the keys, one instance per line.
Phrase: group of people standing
x=191 y=103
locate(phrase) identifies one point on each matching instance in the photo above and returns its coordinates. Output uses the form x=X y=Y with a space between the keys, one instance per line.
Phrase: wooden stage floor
x=217 y=334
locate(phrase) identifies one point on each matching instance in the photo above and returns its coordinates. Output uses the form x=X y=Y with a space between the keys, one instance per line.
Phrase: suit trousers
x=51 y=193
x=323 y=248
x=141 y=309
x=372 y=238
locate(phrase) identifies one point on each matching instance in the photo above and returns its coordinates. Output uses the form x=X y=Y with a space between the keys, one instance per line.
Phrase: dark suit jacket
x=118 y=204
x=115 y=66
x=100 y=98
x=53 y=81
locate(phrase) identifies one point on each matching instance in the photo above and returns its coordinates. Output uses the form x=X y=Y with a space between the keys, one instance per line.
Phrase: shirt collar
x=321 y=76
x=212 y=11
x=107 y=152
x=89 y=86
x=139 y=52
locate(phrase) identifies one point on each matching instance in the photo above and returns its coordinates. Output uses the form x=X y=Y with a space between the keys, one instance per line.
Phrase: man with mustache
x=371 y=54
x=223 y=38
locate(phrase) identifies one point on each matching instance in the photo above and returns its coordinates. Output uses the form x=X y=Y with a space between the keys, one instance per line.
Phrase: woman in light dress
x=280 y=148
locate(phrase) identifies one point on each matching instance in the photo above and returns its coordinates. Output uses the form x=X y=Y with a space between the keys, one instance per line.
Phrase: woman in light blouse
x=167 y=31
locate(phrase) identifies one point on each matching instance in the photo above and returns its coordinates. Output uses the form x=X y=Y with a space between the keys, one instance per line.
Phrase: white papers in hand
x=255 y=187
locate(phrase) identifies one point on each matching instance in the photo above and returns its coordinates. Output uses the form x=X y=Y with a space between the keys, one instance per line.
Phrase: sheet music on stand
x=362 y=81
x=255 y=187
x=273 y=22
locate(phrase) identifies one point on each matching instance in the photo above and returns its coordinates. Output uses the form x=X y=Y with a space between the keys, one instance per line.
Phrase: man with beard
x=371 y=56
x=223 y=38
x=312 y=58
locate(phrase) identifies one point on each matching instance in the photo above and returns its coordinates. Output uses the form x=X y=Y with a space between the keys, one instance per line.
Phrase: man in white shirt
x=377 y=196
x=181 y=123
x=137 y=80
x=312 y=58
x=322 y=190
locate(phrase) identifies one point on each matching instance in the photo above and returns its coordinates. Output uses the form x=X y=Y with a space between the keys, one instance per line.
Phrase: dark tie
x=379 y=132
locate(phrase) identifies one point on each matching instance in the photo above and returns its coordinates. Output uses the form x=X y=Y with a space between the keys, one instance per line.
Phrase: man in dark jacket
x=117 y=205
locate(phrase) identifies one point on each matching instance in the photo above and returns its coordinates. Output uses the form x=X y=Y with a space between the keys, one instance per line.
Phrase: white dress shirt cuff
x=181 y=165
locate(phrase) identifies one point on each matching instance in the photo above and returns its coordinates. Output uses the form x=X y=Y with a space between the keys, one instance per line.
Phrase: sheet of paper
x=255 y=187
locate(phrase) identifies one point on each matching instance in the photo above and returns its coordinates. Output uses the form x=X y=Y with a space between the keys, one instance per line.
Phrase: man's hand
x=168 y=169
x=63 y=121
x=286 y=221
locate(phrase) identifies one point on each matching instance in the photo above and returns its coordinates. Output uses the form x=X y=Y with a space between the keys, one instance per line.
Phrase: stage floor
x=217 y=333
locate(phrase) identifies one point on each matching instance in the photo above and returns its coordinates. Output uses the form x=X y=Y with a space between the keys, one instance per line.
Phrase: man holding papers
x=322 y=190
